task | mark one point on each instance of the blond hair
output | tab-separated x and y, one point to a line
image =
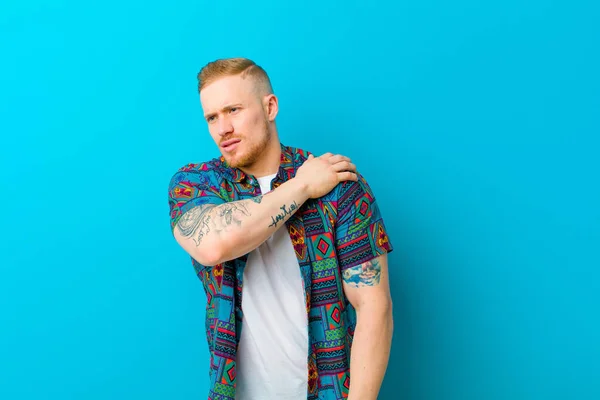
234	66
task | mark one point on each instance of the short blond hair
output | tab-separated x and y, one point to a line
221	68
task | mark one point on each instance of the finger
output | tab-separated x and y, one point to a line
337	158
326	156
347	176
344	166
310	157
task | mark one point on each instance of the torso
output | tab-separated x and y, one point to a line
273	348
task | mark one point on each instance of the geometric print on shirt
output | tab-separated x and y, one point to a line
330	234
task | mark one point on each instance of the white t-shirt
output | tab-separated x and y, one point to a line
273	347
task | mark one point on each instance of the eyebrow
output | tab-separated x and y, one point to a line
226	108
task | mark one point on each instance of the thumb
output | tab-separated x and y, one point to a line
310	157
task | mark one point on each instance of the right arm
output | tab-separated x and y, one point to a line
212	233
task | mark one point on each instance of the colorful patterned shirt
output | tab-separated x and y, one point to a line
330	234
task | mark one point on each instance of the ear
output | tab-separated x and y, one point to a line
271	106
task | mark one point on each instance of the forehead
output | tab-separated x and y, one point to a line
226	91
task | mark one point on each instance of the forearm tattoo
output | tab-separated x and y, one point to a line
199	221
257	199
229	214
367	274
285	211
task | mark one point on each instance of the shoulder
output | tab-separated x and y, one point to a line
353	186
351	193
294	154
300	153
343	190
214	165
205	173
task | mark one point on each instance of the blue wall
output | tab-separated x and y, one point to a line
483	116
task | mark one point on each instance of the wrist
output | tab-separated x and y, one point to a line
300	189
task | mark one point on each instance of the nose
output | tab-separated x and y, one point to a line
225	126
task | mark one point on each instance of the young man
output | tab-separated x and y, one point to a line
291	250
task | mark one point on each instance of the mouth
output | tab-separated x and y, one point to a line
230	144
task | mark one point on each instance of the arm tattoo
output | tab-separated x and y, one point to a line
230	213
199	221
195	223
284	212
367	274
257	199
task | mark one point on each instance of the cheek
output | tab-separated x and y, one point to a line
212	130
259	119
253	122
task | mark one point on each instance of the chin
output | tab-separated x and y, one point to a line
231	161
235	161
242	157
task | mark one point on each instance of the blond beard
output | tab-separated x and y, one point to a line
253	153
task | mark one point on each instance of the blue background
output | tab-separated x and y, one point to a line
476	124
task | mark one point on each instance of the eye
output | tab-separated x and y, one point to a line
233	109
210	119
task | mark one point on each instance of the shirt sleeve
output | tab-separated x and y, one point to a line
190	188
360	231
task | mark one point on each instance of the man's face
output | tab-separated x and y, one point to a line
237	119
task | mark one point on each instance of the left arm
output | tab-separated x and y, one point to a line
367	288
